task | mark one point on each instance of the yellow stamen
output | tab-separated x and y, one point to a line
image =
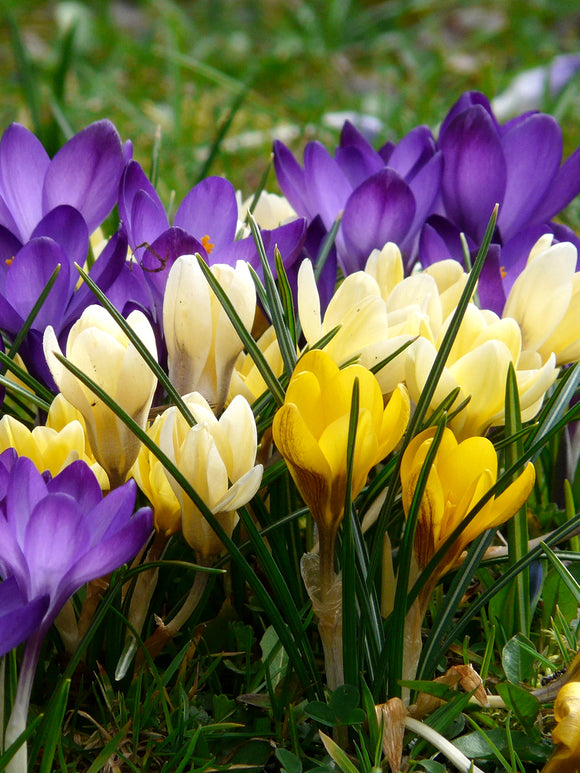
503	272
9	261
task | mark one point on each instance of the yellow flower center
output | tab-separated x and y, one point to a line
9	261
208	246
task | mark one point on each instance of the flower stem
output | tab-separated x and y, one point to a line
164	633
19	715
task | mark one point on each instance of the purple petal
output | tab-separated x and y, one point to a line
147	223
85	173
112	512
564	187
9	246
210	210
23	166
380	210
357	166
103	272
328	186
425	186
474	173
26	489
139	226
111	553
56	536
291	180
490	288
67	227
28	276
18	617
533	151
441	240
413	152
79	482
465	101
386	151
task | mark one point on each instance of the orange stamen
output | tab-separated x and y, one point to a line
208	246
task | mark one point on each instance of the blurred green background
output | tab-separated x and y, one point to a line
220	78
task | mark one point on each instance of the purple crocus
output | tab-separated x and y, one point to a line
206	222
383	195
516	165
48	208
84	174
56	534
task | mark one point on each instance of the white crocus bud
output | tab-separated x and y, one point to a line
97	346
202	344
217	457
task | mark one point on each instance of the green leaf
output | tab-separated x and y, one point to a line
565	575
432	766
524	705
338	755
344	701
321	712
475	746
53	731
518	658
290	762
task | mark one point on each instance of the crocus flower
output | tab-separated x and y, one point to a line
246	378
566	734
84	174
202	344
49	448
516	165
462	473
56	534
478	364
218	458
97	345
150	476
545	301
311	431
206	222
383	195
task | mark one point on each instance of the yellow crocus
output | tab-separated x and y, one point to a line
152	479
311	432
462	473
52	447
566	757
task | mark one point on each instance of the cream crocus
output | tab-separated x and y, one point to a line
98	347
54	446
478	364
217	457
545	301
202	344
270	211
461	474
359	311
